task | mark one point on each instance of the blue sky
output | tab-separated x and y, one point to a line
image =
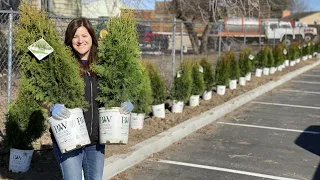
314	5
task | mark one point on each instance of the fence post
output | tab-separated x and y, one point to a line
245	36
174	48
10	55
260	40
274	38
181	43
219	40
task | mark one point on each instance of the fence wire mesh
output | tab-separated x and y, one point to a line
166	43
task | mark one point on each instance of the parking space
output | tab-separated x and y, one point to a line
276	136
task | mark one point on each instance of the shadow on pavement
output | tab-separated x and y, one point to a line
311	143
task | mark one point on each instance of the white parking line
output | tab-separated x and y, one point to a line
305	82
223	170
266	127
306	92
310	75
287	105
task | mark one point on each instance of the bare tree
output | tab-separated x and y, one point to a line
208	12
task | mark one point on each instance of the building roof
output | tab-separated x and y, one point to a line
298	16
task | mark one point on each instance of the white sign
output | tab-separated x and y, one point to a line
251	57
201	69
40	49
285	52
178	74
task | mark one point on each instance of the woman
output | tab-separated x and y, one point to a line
80	36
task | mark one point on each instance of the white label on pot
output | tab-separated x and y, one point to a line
201	69
251	57
178	74
40	49
284	51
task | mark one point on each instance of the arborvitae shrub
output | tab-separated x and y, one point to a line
245	63
144	100
278	55
208	74
181	89
270	58
234	67
221	75
25	122
54	79
157	84
197	80
118	67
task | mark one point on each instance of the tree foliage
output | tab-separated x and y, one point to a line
54	79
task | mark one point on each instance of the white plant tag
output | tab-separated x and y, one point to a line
251	57
299	47
304	45
309	44
178	74
40	49
201	69
285	52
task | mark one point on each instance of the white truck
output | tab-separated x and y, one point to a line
266	30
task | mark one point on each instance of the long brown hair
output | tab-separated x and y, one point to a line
71	30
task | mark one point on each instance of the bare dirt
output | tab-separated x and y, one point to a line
44	166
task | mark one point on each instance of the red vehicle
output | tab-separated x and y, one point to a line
146	38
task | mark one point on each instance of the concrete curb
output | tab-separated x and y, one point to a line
143	150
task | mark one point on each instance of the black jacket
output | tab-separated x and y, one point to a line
91	116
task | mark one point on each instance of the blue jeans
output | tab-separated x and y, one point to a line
90	159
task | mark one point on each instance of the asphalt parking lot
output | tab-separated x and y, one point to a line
275	136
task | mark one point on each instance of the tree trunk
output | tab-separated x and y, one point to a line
204	39
193	37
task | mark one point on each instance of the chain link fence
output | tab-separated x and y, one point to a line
165	43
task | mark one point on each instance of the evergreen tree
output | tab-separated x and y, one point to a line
270	58
25	122
182	85
234	67
208	74
118	67
143	101
197	79
54	79
278	55
222	76
157	84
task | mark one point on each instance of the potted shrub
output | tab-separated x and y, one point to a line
158	90
25	123
245	66
54	79
271	63
234	71
120	77
208	77
222	74
278	55
142	102
197	84
296	52
309	50
259	64
264	60
304	52
181	89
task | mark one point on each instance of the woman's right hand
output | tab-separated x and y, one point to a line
59	112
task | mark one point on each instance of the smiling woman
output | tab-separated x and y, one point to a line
82	42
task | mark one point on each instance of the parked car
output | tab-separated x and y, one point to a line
147	39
